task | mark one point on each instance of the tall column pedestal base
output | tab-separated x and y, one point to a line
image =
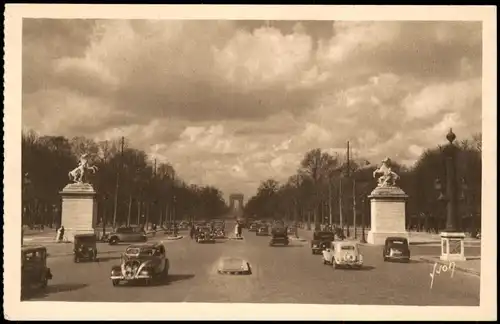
79	210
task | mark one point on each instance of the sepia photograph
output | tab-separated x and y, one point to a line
248	158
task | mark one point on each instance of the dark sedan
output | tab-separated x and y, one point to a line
396	248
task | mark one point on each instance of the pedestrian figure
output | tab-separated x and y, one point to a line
236	229
60	234
191	232
239	230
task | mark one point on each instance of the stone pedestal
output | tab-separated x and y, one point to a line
79	210
388	214
452	246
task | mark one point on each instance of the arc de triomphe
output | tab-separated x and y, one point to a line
236	197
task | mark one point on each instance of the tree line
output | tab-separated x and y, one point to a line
332	189
131	189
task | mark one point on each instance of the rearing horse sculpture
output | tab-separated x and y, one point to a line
77	174
388	177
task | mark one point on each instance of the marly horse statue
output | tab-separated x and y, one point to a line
77	174
387	176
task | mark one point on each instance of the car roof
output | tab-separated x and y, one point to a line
396	238
346	243
84	235
27	248
144	245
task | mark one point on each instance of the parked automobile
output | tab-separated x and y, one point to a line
396	248
205	235
343	254
262	231
144	262
253	227
292	230
84	247
321	240
127	235
219	233
34	271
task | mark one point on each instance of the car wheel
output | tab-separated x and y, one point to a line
115	282
385	259
313	252
113	241
324	261
76	259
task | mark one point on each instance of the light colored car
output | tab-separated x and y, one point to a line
343	254
234	266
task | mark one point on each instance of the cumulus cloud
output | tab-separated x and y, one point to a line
231	103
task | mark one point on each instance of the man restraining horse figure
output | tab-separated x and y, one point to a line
387	177
77	174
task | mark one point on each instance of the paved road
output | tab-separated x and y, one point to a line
280	275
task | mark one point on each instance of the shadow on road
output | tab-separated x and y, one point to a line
108	258
51	289
179	277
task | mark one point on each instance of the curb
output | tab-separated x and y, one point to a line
461	269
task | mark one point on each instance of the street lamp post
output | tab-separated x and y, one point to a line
105	198
452	240
26	190
363	208
173	215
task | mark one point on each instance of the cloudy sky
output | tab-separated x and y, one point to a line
231	103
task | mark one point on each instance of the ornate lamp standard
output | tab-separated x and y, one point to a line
452	240
363	211
174	209
25	193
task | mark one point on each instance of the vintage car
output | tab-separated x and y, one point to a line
396	248
141	262
127	235
343	254
292	230
234	266
279	235
34	270
84	247
253	227
321	240
262	231
219	232
205	235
